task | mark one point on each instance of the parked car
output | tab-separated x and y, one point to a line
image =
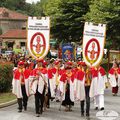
7	53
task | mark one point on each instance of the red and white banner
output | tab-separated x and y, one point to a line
38	36
93	43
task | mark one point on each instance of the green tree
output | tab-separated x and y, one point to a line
108	12
66	16
13	4
23	7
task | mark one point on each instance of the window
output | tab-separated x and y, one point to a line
22	44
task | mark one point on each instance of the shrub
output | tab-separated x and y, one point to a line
6	75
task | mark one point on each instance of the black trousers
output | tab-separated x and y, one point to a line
22	102
39	100
87	89
48	94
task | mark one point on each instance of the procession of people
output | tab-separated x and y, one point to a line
64	82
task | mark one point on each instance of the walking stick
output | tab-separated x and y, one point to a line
60	102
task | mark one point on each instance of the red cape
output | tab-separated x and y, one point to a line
64	77
102	71
80	75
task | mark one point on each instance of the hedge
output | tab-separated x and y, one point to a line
6	75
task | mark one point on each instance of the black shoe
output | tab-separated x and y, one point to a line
19	111
113	94
102	108
82	114
41	111
25	108
57	100
96	108
37	115
48	106
87	114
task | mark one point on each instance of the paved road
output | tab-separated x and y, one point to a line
10	113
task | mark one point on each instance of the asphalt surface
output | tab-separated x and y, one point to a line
11	112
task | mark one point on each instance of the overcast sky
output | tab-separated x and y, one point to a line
30	1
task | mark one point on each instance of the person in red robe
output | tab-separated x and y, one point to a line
98	85
67	88
20	85
38	86
87	77
114	78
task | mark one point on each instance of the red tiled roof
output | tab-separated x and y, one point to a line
14	34
9	14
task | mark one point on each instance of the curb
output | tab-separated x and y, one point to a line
8	103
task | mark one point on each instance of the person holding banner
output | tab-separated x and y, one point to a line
38	86
114	78
87	83
20	85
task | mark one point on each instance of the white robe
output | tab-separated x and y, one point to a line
101	83
97	85
80	89
40	84
52	87
62	87
16	84
118	79
112	80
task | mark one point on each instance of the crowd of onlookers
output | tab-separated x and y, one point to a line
14	58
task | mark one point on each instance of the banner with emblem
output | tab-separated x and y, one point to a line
38	36
93	43
67	52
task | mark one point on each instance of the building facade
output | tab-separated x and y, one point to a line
12	29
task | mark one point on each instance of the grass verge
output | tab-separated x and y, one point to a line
6	97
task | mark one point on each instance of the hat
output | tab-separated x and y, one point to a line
68	67
69	63
20	63
83	64
56	62
44	63
39	60
79	63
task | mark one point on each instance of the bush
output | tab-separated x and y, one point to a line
6	75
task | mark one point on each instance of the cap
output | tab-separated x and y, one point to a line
56	62
83	64
44	63
79	63
68	67
69	63
20	63
39	60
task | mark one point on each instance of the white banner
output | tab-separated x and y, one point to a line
93	43
38	36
